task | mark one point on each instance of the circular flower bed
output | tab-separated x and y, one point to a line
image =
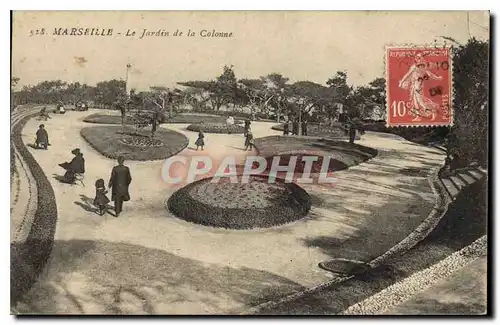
217	128
254	204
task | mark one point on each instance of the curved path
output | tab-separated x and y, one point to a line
147	261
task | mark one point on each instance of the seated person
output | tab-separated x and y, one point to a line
76	166
42	137
43	113
230	120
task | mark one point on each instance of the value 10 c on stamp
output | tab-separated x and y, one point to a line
419	86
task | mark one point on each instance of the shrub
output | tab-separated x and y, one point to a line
217	128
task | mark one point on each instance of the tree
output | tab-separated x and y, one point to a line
109	93
275	95
224	88
471	102
338	83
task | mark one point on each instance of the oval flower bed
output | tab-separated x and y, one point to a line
217	128
255	204
112	141
108	119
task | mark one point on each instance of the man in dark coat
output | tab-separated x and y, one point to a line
304	127
42	137
286	128
119	182
295	127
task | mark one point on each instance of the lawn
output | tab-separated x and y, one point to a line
112	141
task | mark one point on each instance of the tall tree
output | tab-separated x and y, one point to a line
469	138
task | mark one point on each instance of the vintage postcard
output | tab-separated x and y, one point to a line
249	162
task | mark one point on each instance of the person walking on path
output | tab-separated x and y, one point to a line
286	128
118	183
100	200
42	137
200	142
249	140
304	127
295	127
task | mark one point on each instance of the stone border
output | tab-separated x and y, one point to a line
29	258
401	291
417	235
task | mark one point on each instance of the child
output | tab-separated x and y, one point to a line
200	142
101	200
249	140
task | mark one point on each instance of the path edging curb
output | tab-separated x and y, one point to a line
416	236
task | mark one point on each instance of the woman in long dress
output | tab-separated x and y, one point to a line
413	81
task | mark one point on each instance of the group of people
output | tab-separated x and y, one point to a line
119	181
295	127
249	142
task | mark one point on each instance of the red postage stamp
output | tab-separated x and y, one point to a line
419	86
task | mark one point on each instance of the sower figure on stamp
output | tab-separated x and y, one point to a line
413	81
118	183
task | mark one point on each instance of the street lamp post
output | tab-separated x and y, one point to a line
127	88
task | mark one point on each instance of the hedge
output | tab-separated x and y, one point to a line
291	208
29	258
217	128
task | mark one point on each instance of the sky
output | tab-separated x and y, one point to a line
300	45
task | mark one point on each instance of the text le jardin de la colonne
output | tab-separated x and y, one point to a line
133	33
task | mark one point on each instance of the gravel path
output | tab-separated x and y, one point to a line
206	270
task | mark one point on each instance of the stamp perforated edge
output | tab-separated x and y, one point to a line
452	88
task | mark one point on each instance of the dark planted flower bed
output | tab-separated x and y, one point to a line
189	118
108	119
217	128
256	204
28	258
112	141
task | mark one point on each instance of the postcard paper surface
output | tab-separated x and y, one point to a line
237	163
